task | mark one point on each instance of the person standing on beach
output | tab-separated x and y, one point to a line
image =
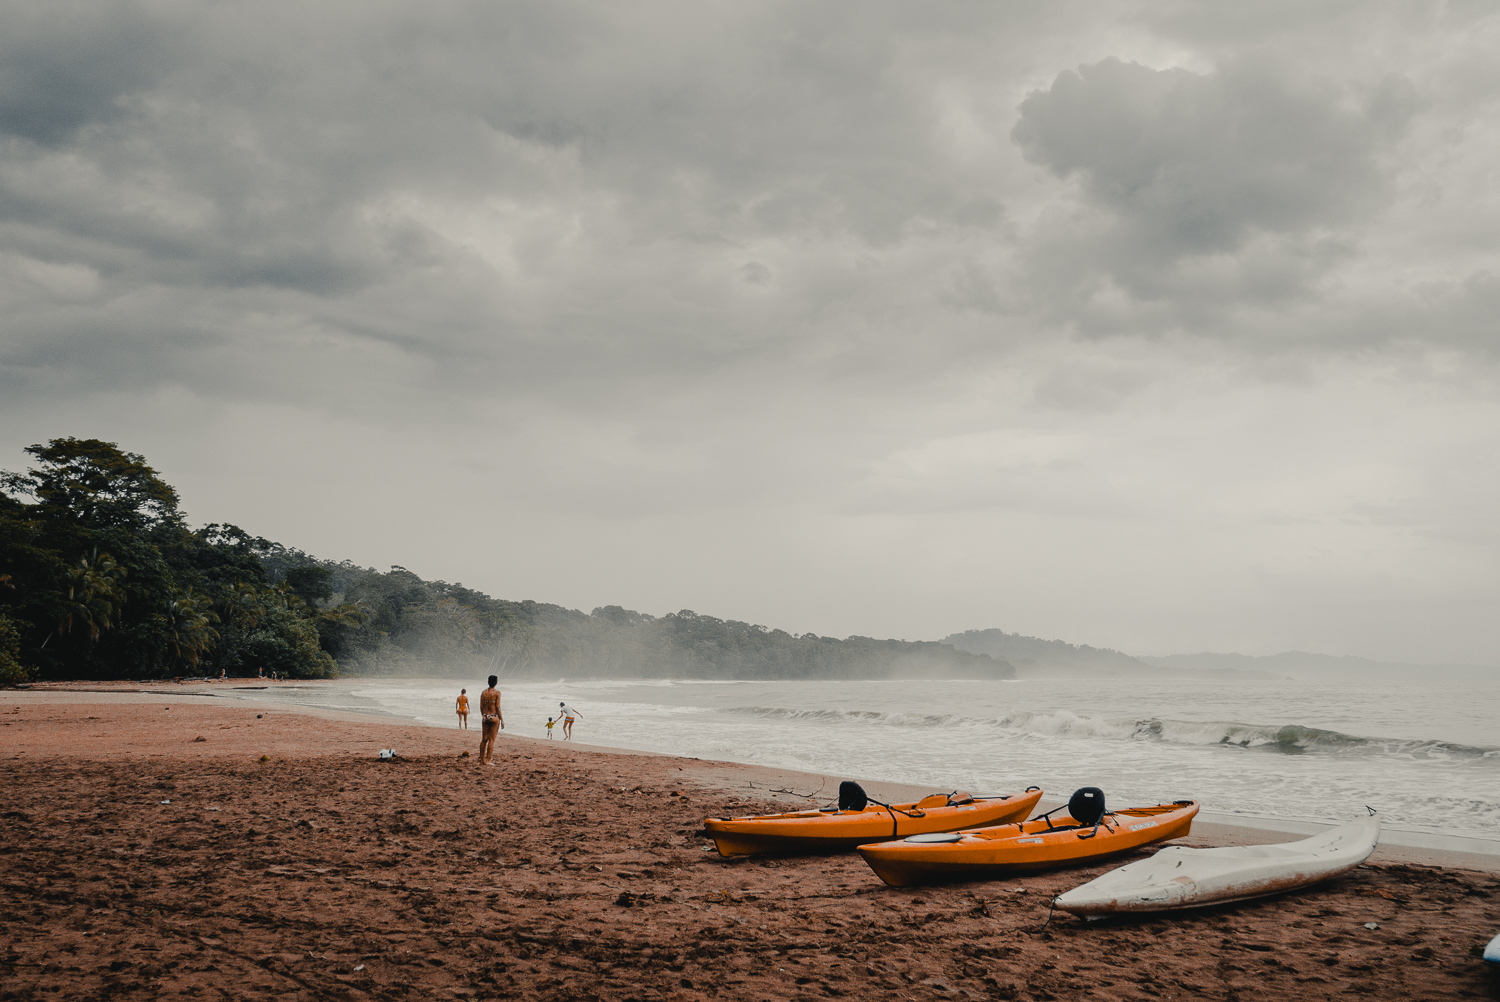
490	720
462	706
550	722
567	713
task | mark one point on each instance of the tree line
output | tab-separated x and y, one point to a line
100	577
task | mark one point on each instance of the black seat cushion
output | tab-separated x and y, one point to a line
852	796
1087	805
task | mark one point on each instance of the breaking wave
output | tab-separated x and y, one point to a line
1291	739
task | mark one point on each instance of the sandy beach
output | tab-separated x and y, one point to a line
161	845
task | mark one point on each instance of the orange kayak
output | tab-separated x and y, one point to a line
1030	845
830	831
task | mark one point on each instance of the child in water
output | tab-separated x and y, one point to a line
549	728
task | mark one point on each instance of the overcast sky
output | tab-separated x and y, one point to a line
1164	327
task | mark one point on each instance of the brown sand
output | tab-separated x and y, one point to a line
139	861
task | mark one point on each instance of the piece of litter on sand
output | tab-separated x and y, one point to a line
360	967
387	754
1372	925
163	801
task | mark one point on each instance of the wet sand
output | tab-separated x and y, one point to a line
137	860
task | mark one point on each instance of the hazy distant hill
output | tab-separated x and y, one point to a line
1301	664
412	626
1037	658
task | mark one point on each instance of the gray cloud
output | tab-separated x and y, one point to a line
1194	165
69	65
333	174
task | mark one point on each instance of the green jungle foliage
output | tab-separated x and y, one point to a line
101	578
11	671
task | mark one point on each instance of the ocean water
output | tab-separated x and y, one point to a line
1425	754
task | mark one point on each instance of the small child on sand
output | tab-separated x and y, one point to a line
550	722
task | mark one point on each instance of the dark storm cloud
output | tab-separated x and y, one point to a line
1192	165
67	65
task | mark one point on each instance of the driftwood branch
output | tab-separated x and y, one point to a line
805	796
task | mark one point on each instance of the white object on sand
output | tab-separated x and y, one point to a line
1179	877
1492	952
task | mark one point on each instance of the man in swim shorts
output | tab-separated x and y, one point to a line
490	720
567	713
462	706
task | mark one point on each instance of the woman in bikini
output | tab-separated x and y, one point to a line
462	706
490	720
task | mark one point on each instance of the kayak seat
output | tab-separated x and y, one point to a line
852	796
1085	809
936	800
1086	805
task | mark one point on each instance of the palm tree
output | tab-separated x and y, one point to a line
350	614
242	605
94	594
282	596
189	625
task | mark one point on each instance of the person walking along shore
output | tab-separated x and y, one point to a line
567	713
491	720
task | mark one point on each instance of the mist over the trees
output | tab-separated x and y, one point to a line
103	578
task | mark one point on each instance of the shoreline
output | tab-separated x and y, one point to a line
147	848
1396	845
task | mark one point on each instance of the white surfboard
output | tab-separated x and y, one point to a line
1179	877
1492	952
